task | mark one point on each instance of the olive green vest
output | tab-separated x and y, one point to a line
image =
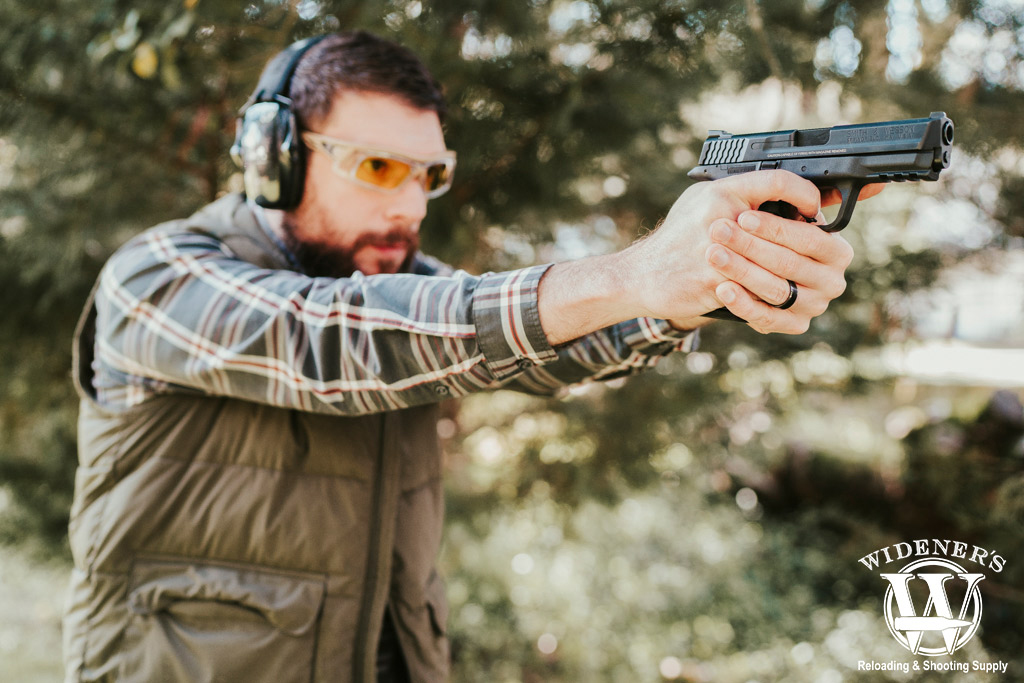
216	539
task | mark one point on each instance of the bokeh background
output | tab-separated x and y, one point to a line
700	523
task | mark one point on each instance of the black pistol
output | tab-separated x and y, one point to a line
844	158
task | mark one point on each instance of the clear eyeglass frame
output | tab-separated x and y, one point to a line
384	170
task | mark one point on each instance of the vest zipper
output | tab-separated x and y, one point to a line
378	562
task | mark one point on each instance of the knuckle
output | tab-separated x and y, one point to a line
740	268
710	280
740	240
757	323
773	228
777	181
715	191
835	287
818	307
795	324
846	252
781	294
789	263
836	251
840	287
764	319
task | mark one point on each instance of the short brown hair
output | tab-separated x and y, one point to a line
359	61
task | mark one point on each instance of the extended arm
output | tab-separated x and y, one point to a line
177	311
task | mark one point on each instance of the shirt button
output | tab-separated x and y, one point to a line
442	390
525	364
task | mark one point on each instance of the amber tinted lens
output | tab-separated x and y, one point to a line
437	176
386	173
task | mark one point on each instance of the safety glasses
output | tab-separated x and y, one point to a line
382	170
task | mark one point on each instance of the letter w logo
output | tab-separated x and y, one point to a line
914	626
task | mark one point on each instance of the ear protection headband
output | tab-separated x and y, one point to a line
268	146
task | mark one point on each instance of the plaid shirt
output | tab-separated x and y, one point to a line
178	311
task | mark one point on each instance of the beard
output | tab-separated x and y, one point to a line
318	259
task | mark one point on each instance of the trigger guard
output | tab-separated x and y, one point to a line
848	192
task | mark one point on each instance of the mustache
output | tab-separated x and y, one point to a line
395	237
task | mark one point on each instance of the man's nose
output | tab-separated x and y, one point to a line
410	202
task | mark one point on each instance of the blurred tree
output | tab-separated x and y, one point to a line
575	122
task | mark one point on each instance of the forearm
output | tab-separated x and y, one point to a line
579	297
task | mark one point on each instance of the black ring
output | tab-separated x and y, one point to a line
791	299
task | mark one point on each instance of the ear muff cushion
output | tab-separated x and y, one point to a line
267	144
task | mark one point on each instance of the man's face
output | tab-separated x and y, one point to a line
341	226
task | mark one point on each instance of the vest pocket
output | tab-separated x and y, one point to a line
203	622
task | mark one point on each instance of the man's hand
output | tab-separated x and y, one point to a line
749	255
714	248
759	252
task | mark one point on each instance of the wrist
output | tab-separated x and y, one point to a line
576	298
675	290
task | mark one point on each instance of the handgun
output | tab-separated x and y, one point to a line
844	158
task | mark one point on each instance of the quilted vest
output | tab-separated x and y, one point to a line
216	539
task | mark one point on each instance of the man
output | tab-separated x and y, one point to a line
259	494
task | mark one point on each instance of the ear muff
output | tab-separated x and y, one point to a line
268	146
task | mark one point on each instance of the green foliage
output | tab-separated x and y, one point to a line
575	123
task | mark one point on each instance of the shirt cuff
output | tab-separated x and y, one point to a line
508	321
654	332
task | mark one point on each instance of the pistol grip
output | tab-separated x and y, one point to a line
785	210
724	314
